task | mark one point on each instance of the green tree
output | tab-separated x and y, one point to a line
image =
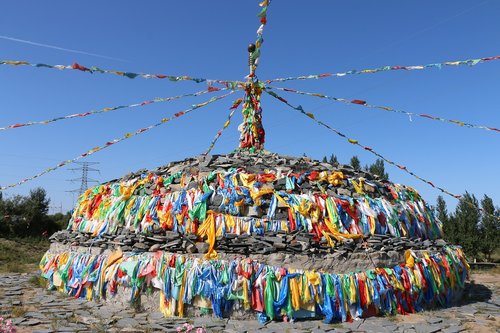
449	228
37	207
467	218
378	168
490	228
23	216
355	163
334	160
60	220
324	160
4	227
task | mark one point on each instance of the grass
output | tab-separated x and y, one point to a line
18	311
21	255
495	270
38	281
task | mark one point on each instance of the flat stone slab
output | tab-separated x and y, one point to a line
55	312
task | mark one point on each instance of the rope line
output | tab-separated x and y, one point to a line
130	75
108	109
387	108
233	108
114	141
469	62
356	142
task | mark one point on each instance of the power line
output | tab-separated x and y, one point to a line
58	208
84	179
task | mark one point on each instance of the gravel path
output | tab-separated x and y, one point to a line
34	309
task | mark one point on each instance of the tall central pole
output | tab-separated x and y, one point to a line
252	134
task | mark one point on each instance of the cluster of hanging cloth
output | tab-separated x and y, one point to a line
106	208
424	280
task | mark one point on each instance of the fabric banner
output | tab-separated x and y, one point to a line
226	124
108	109
423	280
400	212
355	142
387	108
468	62
130	75
114	141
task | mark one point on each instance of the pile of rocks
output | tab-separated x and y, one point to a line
244	244
281	211
252	163
297	181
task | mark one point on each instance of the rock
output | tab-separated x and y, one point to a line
140	246
433	320
127	322
154	248
30	322
191	248
343	191
202	247
453	329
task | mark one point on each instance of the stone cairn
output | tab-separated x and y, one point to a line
257	234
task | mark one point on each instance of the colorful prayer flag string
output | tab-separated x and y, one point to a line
252	133
226	124
130	75
387	108
355	142
255	54
114	141
469	62
108	109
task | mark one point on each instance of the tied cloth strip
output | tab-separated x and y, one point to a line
105	208
273	292
255	53
469	62
387	108
252	134
130	75
114	141
109	109
226	124
355	142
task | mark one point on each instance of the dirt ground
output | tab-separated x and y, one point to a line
484	285
34	309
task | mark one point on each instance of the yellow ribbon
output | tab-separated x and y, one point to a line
207	228
247	179
358	186
336	178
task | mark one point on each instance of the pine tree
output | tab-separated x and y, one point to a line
467	219
490	228
355	163
378	168
324	160
449	232
333	160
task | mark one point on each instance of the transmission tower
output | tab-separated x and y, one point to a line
84	180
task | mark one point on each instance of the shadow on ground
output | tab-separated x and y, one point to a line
474	293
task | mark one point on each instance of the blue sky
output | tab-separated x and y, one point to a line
208	39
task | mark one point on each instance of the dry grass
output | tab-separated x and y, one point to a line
21	255
18	311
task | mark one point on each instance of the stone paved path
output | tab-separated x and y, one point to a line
34	309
